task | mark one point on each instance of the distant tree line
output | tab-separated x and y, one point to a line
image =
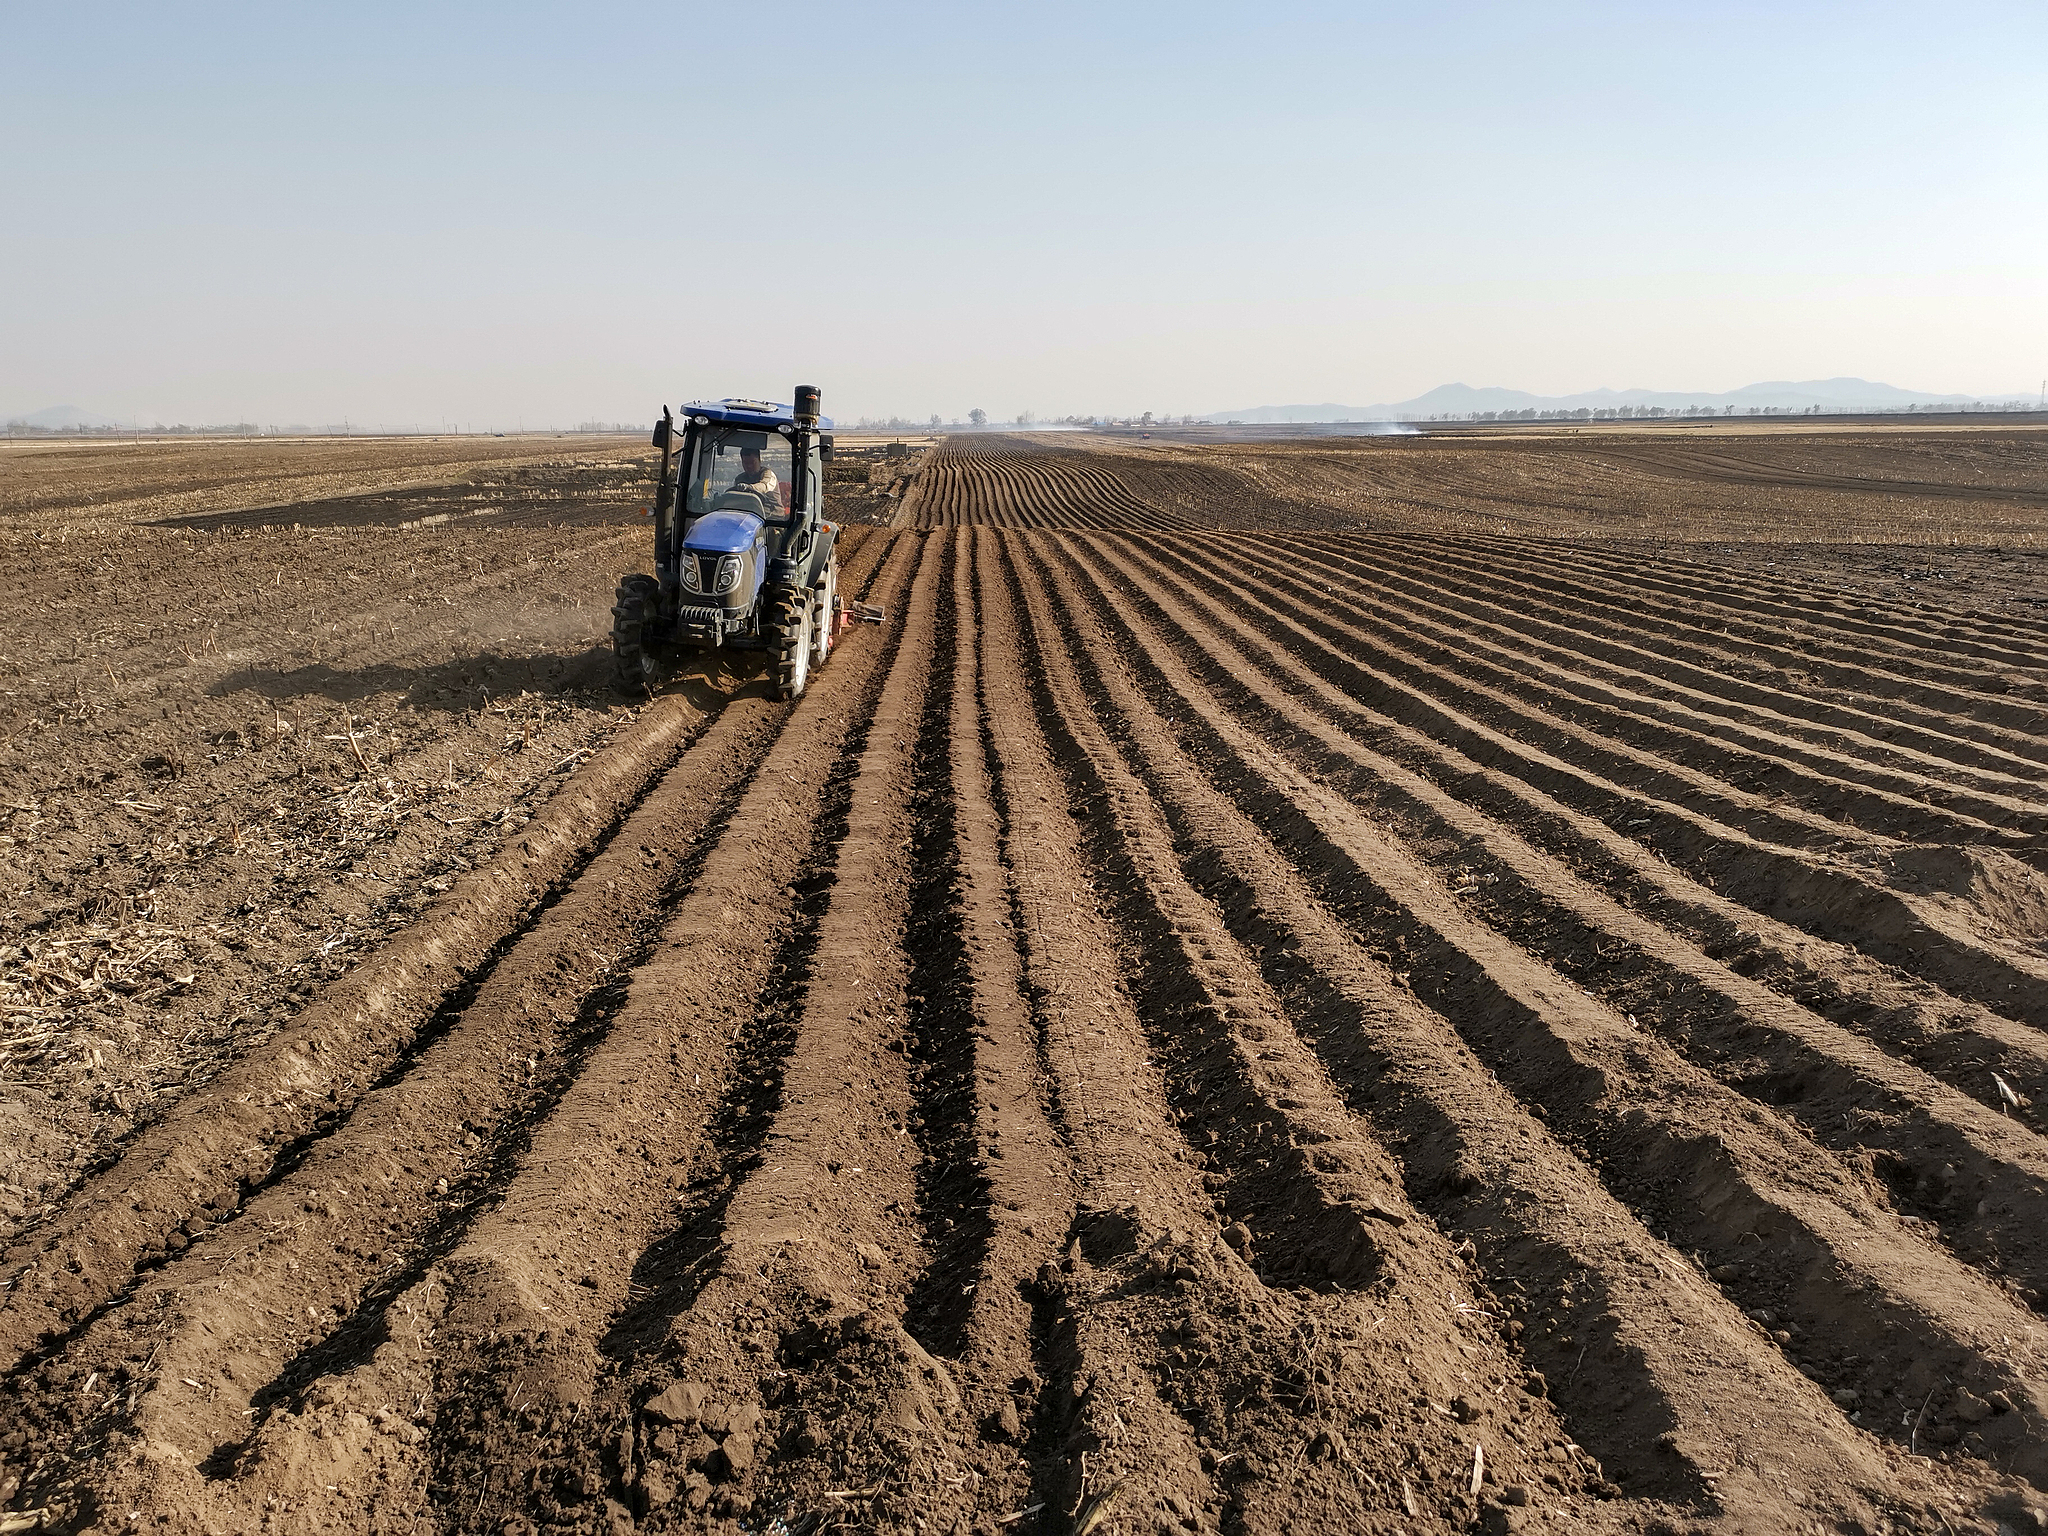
1023	421
224	429
299	429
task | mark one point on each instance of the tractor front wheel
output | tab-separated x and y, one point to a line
633	615
789	620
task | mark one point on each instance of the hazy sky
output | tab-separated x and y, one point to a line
508	212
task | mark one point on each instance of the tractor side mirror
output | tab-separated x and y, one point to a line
825	445
661	434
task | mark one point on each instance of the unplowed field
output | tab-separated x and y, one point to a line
1185	1028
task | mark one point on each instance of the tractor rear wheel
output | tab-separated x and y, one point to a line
789	624
633	615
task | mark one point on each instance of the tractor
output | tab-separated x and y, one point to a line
743	557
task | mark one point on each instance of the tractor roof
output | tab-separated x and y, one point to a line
746	413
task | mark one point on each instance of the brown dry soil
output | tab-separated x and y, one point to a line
1240	1008
1956	486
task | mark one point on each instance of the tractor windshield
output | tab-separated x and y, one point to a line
729	458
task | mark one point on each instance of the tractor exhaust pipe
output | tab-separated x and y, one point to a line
806	405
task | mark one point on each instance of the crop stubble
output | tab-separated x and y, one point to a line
1318	1028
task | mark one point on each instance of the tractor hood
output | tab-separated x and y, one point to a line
723	533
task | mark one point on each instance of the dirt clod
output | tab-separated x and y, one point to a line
679	1403
1005	1425
1969	1407
735	1456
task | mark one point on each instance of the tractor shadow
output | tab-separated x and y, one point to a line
463	684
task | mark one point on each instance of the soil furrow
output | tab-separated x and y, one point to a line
1968	695
1842	1091
363	1210
505	1330
982	1291
1489	978
1960	1043
1712	662
824	1226
1315	1202
1831	900
1875	625
217	1144
1556	1249
1657	1127
1739	753
1768	720
1105	1374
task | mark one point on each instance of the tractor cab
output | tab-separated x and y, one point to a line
736	468
742	554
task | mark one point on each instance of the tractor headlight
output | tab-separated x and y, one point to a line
686	573
728	573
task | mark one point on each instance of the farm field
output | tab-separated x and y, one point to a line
1365	984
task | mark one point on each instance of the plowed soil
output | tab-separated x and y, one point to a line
1239	1008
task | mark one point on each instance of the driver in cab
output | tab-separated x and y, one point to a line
755	476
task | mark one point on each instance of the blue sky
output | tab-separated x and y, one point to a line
505	213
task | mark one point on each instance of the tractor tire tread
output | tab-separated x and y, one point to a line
637	598
783	610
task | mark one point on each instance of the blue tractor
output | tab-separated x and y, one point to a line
743	556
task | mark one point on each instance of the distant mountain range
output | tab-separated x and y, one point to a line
57	416
1464	400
